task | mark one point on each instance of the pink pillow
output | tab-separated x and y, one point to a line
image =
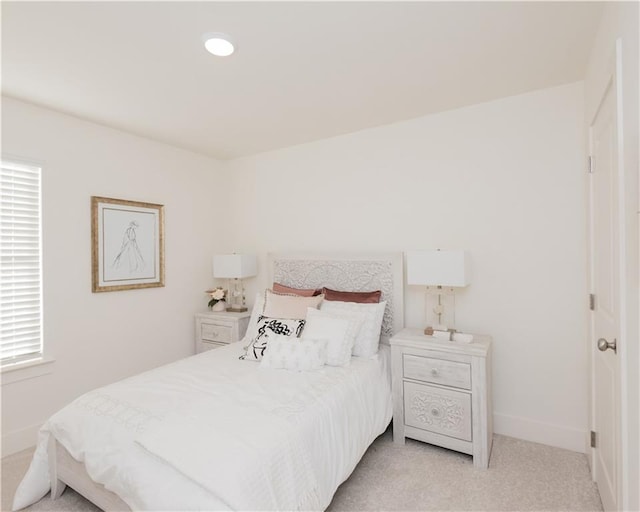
359	297
280	288
289	306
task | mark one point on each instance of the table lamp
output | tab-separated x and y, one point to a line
441	272
235	267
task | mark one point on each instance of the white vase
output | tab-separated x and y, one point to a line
219	306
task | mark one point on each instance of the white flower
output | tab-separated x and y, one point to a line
218	294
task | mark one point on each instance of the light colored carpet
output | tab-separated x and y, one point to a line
418	476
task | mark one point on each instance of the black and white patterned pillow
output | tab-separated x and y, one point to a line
267	328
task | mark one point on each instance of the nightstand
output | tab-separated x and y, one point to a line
442	393
215	329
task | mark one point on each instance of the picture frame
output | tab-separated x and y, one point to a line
127	244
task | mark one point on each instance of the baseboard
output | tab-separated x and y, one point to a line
18	440
545	433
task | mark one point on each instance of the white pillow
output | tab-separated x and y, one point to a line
268	328
277	305
356	320
368	338
339	329
300	355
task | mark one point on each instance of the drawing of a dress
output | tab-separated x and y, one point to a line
130	252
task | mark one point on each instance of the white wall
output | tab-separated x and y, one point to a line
504	180
620	21
99	338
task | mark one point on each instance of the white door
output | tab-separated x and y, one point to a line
606	284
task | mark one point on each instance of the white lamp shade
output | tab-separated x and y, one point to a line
229	266
438	268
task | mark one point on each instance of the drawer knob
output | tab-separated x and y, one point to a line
435	412
434	372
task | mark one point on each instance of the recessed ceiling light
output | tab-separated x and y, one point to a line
218	44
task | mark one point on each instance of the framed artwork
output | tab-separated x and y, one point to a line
127	245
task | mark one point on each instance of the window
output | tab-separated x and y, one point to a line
21	264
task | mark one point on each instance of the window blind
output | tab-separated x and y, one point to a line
20	256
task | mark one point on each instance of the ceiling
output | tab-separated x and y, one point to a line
302	70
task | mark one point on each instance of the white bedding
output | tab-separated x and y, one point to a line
121	432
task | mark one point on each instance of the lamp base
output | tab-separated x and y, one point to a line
440	304
237	310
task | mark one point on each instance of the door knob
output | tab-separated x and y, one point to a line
604	345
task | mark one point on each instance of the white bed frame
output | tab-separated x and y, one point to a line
350	272
65	470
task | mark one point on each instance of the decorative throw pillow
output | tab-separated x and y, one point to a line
359	297
368	338
291	354
339	329
267	329
281	288
288	306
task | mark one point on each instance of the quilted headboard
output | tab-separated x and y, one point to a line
347	272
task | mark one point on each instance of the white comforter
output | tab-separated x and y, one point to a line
211	432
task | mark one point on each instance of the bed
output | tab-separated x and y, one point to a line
213	432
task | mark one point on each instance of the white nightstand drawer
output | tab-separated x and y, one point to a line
438	410
216	332
438	371
215	329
